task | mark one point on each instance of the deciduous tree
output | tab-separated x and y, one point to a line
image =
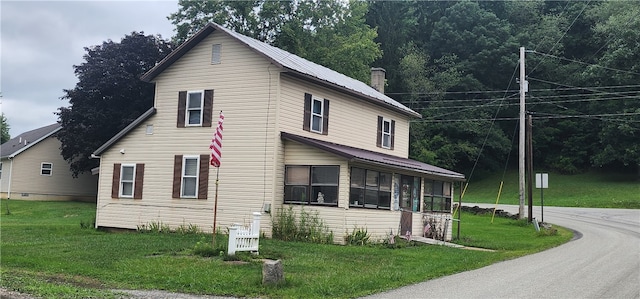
108	96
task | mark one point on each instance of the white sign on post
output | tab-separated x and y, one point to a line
542	180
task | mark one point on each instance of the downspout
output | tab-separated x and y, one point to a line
97	195
10	175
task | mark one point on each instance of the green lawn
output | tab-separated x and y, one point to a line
45	252
593	189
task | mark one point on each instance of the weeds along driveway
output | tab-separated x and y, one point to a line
602	262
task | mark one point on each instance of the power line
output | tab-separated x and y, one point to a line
584	63
551	116
566	85
508	90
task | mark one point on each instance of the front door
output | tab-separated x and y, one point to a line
406	203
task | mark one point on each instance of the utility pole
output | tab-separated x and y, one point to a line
521	143
530	167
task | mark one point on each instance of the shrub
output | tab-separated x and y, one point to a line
287	226
154	227
359	236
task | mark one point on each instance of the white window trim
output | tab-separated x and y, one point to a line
133	181
388	134
320	115
187	109
197	176
50	169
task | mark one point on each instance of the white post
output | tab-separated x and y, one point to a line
255	226
233	233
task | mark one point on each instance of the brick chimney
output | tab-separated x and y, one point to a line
378	78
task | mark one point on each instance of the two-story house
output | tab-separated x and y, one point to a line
295	134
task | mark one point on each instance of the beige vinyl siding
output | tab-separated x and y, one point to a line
27	183
352	121
245	89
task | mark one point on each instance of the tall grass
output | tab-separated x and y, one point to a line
45	252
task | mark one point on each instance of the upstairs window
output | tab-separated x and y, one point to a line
316	114
46	168
386	133
195	108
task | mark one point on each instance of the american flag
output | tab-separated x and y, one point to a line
216	143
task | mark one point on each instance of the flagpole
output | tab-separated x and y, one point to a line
215	210
216	148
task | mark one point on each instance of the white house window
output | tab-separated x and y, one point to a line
316	115
386	133
190	170
127	176
216	54
311	184
195	103
46	168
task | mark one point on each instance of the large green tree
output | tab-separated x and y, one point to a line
4	130
331	33
108	96
618	29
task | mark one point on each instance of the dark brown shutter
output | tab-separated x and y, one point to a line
177	176
393	132
307	112
203	177
379	136
182	108
325	118
207	111
139	181
115	182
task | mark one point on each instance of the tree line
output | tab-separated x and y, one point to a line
456	63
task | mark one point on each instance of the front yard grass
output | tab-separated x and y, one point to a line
45	252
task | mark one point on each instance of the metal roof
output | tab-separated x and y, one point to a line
26	140
370	157
289	62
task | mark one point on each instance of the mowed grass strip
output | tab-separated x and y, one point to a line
589	190
45	252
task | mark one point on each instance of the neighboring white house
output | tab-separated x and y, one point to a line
295	134
32	168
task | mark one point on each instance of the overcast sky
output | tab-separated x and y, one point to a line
42	40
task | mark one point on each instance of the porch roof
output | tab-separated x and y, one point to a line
369	157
